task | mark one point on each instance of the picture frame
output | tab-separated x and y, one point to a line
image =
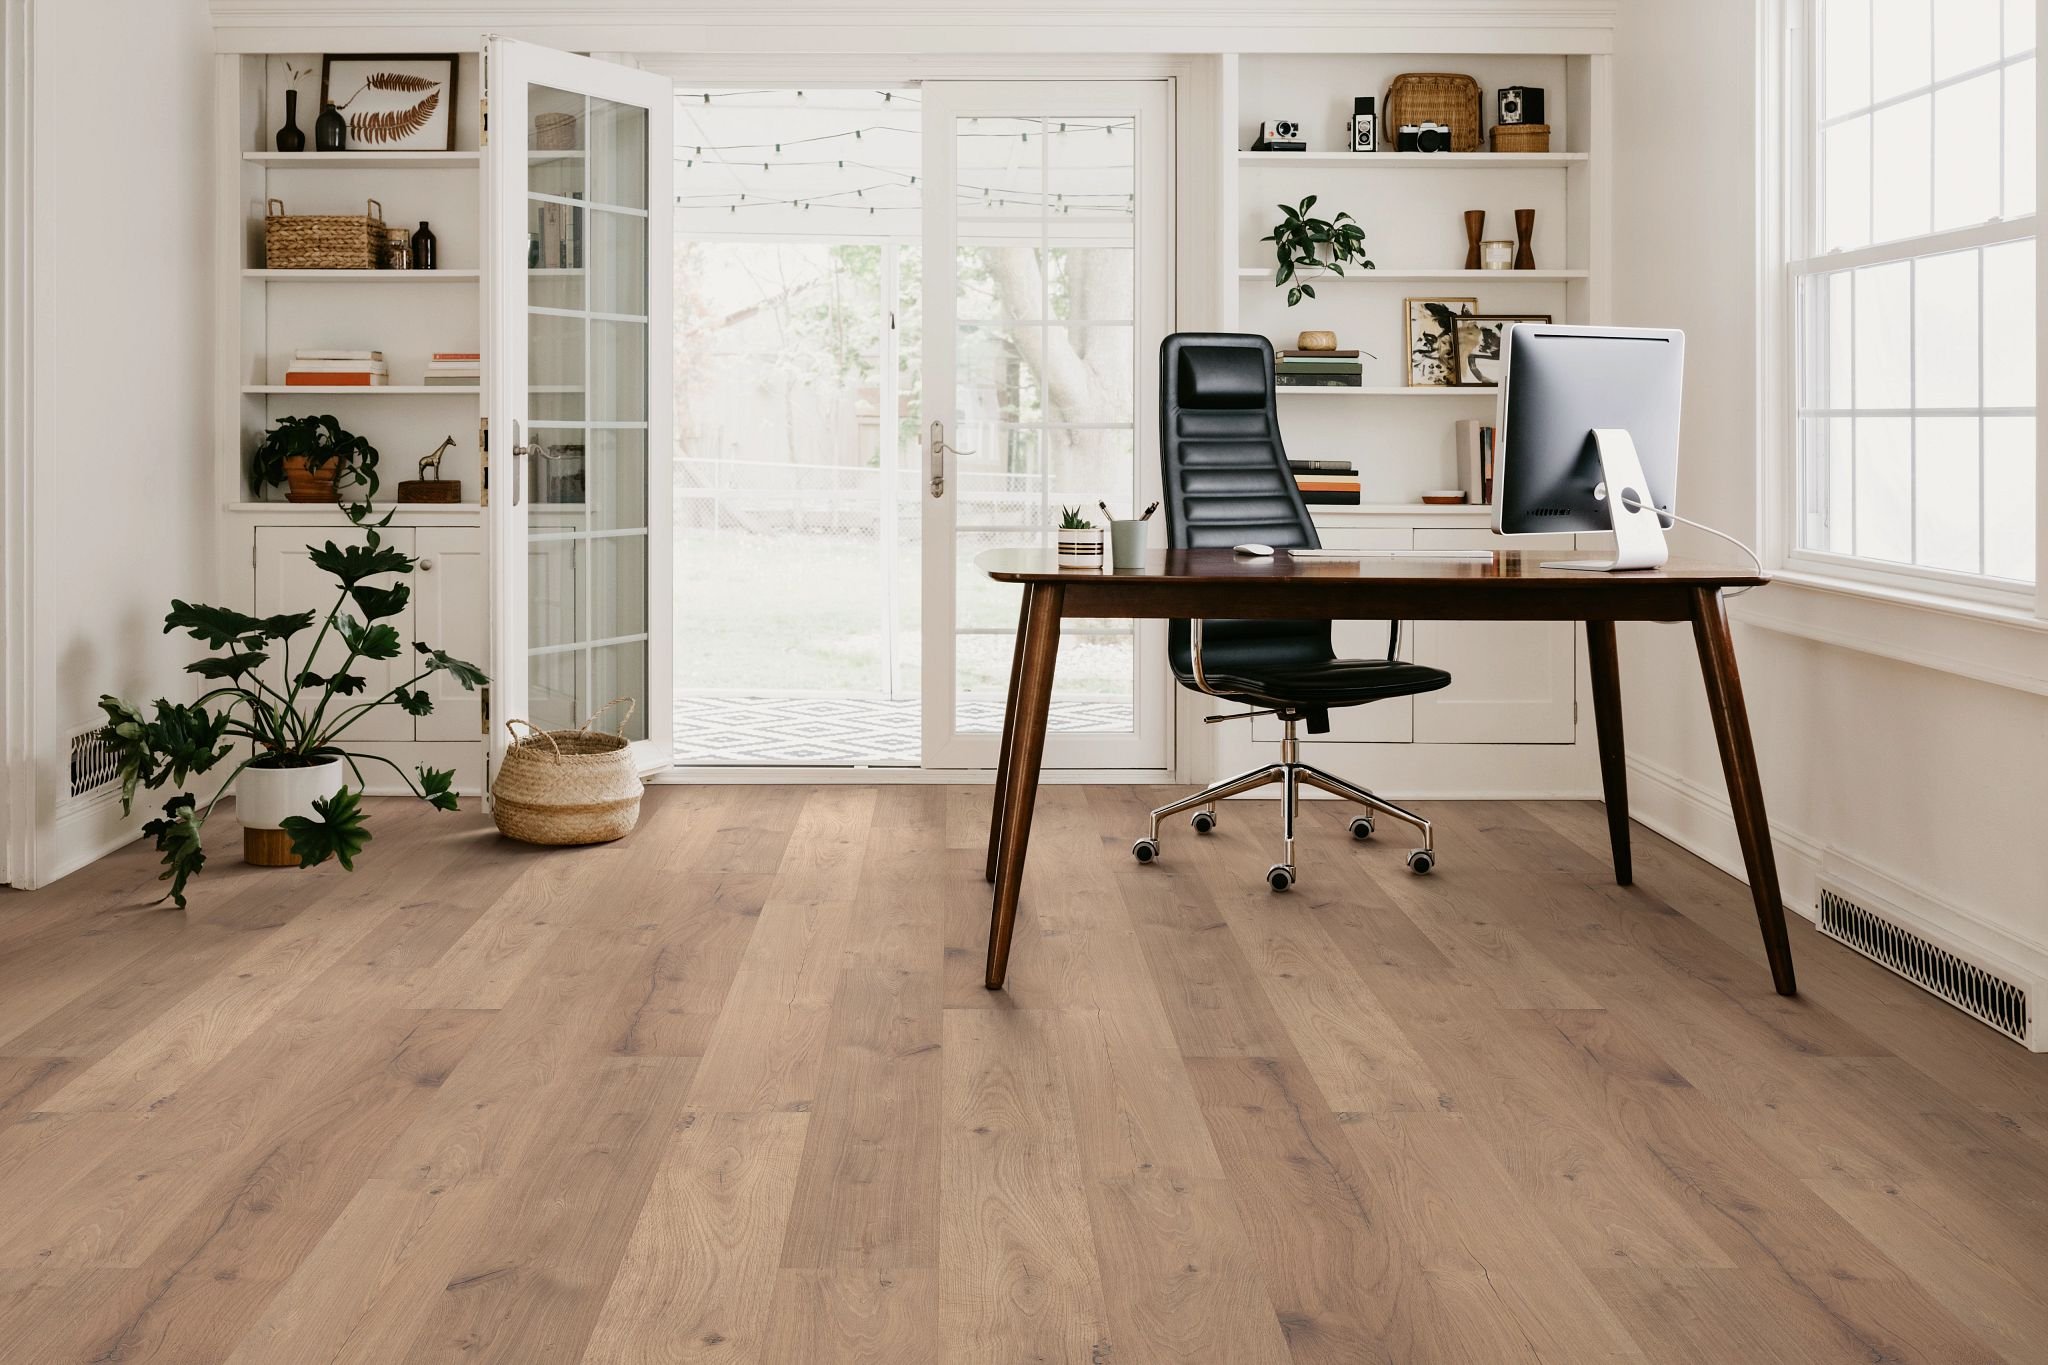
397	102
1476	346
1432	354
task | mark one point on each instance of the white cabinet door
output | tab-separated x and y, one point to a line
449	595
1512	682
287	581
1380	722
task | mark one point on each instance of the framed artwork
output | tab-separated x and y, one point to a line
400	103
1432	340
1476	347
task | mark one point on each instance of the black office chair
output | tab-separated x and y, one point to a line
1227	483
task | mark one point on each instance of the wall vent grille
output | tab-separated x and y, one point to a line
94	767
1977	991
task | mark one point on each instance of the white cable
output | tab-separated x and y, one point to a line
1637	505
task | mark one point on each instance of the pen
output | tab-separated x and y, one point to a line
1106	513
1147	515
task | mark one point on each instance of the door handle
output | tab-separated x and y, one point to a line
936	460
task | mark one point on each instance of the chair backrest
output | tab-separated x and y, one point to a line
1226	482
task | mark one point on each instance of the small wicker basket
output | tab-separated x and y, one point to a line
323	241
554	132
568	786
1521	137
1436	97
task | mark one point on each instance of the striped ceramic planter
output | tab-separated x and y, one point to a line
1081	549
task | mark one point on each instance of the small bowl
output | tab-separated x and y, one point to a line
1316	341
1444	497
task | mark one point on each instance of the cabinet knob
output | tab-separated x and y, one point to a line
426	566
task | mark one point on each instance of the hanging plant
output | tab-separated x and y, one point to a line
1300	243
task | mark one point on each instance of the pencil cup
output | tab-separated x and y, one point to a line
1127	544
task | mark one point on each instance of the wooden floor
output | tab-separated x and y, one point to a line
730	1090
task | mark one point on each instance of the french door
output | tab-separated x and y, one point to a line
1047	267
578	204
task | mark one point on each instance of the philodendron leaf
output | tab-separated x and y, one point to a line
354	563
284	626
334	830
176	833
230	666
179	741
440	660
217	626
437	785
415	700
1294	296
372	642
377	603
348	684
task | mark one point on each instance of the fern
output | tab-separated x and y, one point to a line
400	80
393	125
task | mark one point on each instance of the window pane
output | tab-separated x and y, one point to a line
1945	497
1899	46
1900	192
1966	37
2009	325
1845	59
1884	489
1966	155
1841	485
1945	331
1845	195
2019	139
1841	336
2009	497
2019	26
1883	314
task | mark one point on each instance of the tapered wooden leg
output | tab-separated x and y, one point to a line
1745	791
995	815
1034	701
1606	669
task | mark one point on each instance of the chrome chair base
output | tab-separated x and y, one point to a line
1290	773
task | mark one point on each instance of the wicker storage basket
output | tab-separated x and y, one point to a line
568	786
1436	97
322	241
1521	137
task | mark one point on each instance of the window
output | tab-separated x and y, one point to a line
1913	301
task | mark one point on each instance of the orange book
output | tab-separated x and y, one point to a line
354	379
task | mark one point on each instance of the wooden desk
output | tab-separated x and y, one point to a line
1513	586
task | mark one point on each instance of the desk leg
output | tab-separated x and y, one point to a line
995	816
1605	664
1034	699
1745	791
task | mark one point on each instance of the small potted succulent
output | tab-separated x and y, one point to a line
310	455
1302	244
1080	541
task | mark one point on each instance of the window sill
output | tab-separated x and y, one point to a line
1980	641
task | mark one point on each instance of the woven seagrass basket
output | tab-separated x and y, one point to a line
1436	97
1521	137
322	241
568	786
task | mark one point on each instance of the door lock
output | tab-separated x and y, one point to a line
936	463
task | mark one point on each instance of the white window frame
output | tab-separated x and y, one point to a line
1787	62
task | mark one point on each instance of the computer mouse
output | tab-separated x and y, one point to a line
1252	551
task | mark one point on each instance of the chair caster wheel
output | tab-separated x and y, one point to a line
1203	821
1145	850
1279	876
1361	828
1421	861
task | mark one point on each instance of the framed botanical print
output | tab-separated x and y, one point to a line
1432	341
1477	340
403	103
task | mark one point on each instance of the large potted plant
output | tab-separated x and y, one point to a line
291	713
1302	244
310	455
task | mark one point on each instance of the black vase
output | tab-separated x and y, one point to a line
289	138
424	249
330	130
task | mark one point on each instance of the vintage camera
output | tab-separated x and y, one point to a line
1423	137
1519	104
1365	131
1280	135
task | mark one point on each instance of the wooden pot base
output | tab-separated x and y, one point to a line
268	848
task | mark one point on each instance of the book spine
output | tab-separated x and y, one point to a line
305	379
1319	499
1319	381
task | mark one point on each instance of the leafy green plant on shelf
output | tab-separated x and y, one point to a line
292	716
312	455
1300	243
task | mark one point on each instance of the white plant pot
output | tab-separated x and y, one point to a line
266	797
1081	549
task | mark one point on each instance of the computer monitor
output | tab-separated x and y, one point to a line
1586	437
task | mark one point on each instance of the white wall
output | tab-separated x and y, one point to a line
1935	782
121	332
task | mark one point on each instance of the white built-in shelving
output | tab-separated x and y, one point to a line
362	276
1435	161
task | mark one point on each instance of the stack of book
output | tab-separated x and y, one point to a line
1317	369
348	369
1325	482
454	369
1475	459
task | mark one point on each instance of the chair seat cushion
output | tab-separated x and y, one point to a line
1334	682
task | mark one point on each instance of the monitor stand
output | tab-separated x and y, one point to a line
1638	531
